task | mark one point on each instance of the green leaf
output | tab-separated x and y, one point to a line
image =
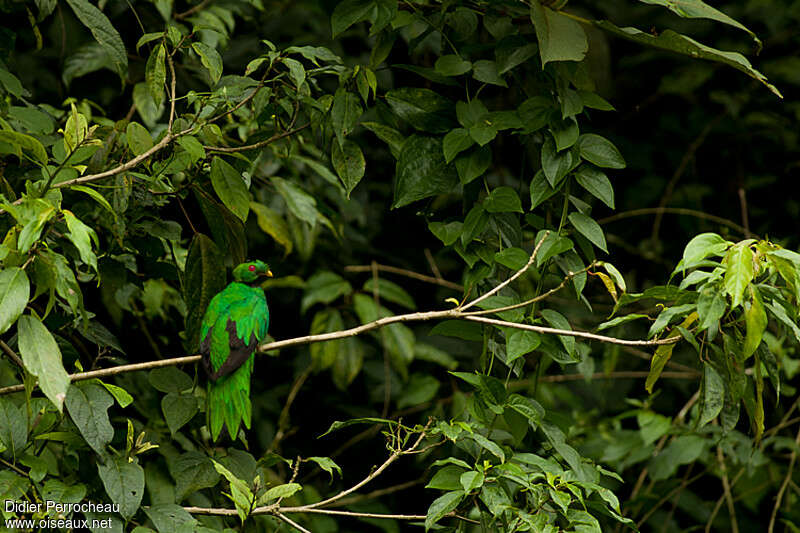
738	272
178	410
600	151
348	13
555	165
560	38
240	494
590	229
104	33
273	225
348	363
473	165
25	142
323	287
155	73
169	517
456	141
349	163
620	320
393	292
681	44
192	471
203	278
300	203
452	65
390	136
210	59
713	394
124	483
684	450
324	354
420	389
345	112
99	198
230	187
442	506
447	478
540	189
700	247
88	58
447	233
469	331
520	342
503	200
597	183
281	491
558	321
326	463
13	428
15	289
755	318
422	171
694	9
170	379
486	71
471	480
296	71
423	109
193	146
652	426
42	358
82	237
513	258
87	404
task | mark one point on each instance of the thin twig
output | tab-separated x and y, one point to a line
172	95
11	354
676	176
668	497
542	296
624	374
743	207
569	333
517	274
192	10
782	490
283	419
673	211
260	144
407	273
392	458
726	487
292	523
432	264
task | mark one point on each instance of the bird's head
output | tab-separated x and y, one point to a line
251	271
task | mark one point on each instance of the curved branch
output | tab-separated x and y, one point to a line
260	144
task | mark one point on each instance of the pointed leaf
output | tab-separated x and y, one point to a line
42	358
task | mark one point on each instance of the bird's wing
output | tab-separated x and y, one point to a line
237	322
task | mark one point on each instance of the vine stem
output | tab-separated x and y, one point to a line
457	313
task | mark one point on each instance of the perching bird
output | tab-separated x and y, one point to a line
234	323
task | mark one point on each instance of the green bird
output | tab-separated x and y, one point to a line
234	323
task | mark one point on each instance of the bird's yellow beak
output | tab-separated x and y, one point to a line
268	273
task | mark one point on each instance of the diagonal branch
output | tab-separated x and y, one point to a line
512	278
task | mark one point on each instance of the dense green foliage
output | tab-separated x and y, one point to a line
567	231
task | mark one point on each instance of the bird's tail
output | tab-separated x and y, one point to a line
228	401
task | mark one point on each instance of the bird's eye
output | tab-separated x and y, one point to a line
252	268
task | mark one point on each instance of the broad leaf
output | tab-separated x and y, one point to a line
42	358
560	38
15	289
103	32
230	187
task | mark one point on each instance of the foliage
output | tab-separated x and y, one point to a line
354	145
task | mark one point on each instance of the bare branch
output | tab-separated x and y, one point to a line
570	333
407	273
782	490
292	523
519	272
261	144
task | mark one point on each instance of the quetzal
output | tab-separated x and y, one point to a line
234	323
